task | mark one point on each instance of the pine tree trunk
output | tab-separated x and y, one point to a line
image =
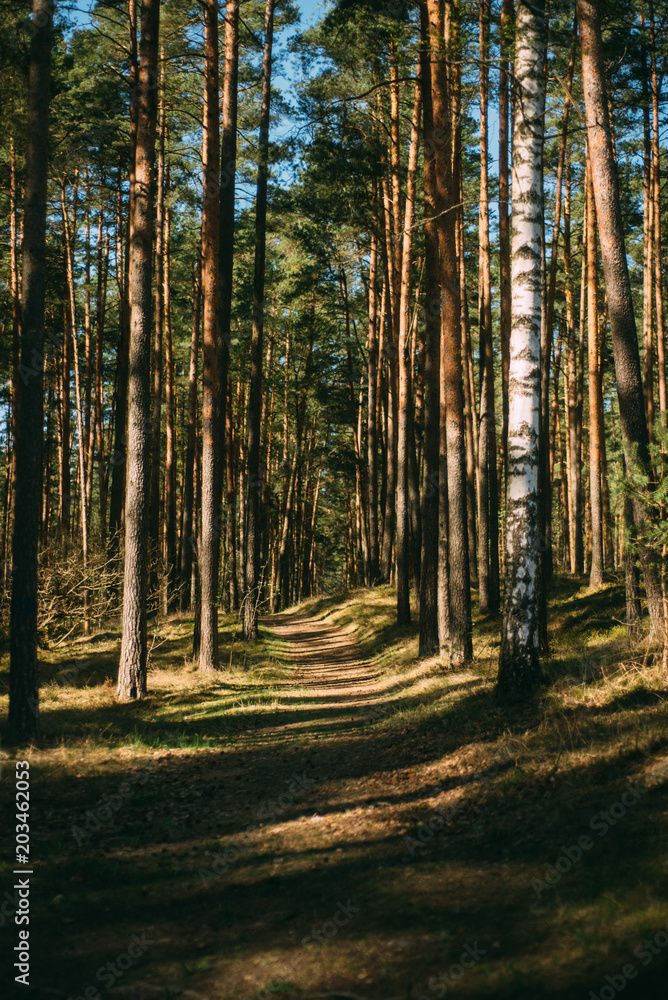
595	401
188	535
208	556
372	414
429	645
470	411
64	475
656	218
97	442
231	503
456	642
88	355
119	458
228	156
405	361
16	329
69	233
23	688
158	318
488	505
635	434
132	667
504	226
391	436
519	666
648	245
251	595
170	561
573	416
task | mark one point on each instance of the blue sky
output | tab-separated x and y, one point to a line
79	9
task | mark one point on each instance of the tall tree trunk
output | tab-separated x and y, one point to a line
96	438
488	503
519	666
132	667
405	359
158	317
648	243
470	411
119	458
64	472
547	336
228	156
231	503
656	218
188	535
429	564
208	556
69	259
457	642
23	689
170	561
504	225
573	416
390	364
251	595
635	434
595	400
372	413
16	322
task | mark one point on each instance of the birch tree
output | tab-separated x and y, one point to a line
519	667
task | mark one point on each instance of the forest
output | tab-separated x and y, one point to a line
333	499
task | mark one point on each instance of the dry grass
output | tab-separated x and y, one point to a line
208	760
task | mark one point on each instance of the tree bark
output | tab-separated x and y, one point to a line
573	414
119	457
169	562
188	536
519	666
595	400
208	555
635	434
69	258
488	504
405	359
23	689
132	667
158	317
656	218
505	307
251	596
372	413
429	645
228	156
457	641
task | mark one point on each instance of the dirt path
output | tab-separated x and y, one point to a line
329	661
337	833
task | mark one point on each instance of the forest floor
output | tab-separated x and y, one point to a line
329	816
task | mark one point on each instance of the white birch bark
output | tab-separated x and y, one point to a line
519	668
